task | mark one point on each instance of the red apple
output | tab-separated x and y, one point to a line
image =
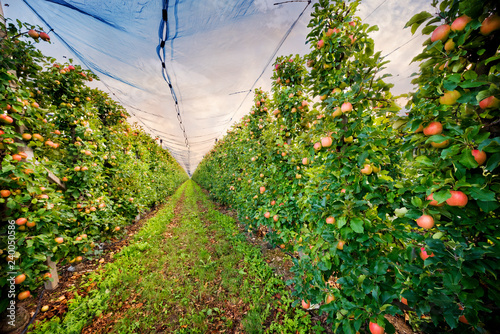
275	218
267	214
442	144
460	23
490	24
340	245
33	34
44	36
21	221
262	189
433	128
425	221
367	169
330	220
5	193
19	279
320	44
305	161
329	298
457	198
306	304
440	33
38	137
489	102
23	295
59	240
326	141
375	328
6	119
479	156
462	318
317	146
346	107
424	255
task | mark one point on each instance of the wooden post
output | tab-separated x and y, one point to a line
51	285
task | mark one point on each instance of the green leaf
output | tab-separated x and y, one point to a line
472	84
470	75
441	195
437	139
416	201
418	19
490	145
341	222
467	159
450	85
493	162
491	59
424	160
482	194
488	206
11	204
40	257
357	225
427	30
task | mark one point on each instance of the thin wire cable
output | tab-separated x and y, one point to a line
399	47
374	10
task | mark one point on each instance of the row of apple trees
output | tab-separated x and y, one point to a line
109	170
387	212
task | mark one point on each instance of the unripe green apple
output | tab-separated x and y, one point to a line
450	97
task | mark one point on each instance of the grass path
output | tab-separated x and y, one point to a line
188	270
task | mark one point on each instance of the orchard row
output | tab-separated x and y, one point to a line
73	173
387	211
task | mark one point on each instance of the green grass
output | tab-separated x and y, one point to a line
186	271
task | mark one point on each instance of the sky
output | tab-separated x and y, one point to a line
217	51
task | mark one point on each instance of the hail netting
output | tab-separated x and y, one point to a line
177	66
